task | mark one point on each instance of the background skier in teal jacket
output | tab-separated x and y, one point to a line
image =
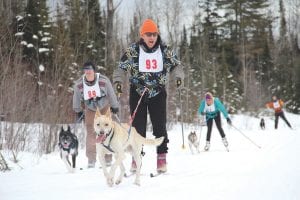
211	108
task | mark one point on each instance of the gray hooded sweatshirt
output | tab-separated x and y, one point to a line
108	95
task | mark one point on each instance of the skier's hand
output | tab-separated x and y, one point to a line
229	121
118	87
114	110
178	82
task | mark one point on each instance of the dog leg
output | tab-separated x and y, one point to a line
73	163
191	148
101	158
65	158
122	173
138	161
197	147
67	163
119	157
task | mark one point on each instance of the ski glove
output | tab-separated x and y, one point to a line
118	87
229	121
178	82
79	117
114	110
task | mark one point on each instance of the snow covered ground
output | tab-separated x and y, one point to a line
246	172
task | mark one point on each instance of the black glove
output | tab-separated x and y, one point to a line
178	82
79	117
229	121
118	87
114	110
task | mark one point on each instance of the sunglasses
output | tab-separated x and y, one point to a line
148	34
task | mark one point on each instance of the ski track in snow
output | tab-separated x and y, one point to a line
245	172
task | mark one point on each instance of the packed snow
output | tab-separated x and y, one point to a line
245	172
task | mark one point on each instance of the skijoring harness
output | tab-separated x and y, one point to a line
108	147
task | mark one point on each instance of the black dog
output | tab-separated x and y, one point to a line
262	124
68	144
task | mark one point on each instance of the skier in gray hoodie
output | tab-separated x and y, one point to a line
93	90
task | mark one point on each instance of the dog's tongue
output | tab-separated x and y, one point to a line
100	138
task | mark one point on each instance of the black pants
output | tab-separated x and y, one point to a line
219	126
281	114
158	116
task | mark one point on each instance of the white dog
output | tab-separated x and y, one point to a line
113	137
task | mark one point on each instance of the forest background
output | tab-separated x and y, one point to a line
242	51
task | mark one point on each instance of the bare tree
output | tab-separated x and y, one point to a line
110	40
3	163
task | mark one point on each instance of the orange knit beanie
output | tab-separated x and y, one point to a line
148	26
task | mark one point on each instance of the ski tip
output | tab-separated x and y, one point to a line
156	174
128	175
152	175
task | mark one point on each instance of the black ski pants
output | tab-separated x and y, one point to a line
281	114
158	115
209	123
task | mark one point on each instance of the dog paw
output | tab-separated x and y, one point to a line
118	181
137	183
110	182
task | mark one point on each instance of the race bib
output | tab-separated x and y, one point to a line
150	62
210	108
276	104
93	91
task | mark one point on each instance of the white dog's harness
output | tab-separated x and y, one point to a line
108	147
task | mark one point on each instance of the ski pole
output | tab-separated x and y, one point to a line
182	133
246	136
199	124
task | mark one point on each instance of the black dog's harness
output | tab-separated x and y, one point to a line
108	147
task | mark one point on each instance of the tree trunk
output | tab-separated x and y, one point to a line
109	56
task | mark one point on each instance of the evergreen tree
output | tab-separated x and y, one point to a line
96	33
77	29
245	27
283	68
191	92
36	35
62	50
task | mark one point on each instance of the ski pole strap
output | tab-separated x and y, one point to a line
117	117
80	118
133	114
139	102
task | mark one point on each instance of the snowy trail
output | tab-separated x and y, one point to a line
246	172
